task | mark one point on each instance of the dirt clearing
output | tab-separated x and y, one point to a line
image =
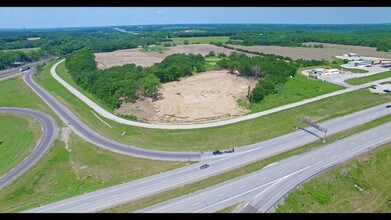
203	97
145	59
327	53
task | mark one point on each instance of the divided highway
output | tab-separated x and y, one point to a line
5	74
115	118
262	189
46	141
116	195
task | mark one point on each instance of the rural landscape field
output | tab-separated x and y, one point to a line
212	114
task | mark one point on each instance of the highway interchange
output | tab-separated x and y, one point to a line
109	197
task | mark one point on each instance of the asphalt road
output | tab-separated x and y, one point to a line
91	136
46	141
4	74
116	195
262	189
115	118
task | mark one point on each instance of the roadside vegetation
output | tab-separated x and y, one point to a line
72	169
366	79
247	169
18	137
361	185
25	50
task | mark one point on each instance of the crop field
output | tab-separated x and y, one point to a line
327	53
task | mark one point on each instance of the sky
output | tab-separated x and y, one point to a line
48	17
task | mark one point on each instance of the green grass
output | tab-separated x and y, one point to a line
211	63
296	89
62	174
201	40
18	137
244	133
15	93
252	167
334	191
366	79
24	50
156	48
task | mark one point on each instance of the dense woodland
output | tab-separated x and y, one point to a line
57	42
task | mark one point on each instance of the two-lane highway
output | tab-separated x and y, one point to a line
46	141
262	189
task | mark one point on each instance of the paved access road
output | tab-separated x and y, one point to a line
91	136
8	73
115	118
46	141
116	195
262	189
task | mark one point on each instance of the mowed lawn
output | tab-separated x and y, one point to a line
18	137
361	185
366	79
25	50
201	40
296	89
62	174
223	137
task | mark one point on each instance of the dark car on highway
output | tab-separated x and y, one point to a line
204	166
388	106
229	151
217	152
387	90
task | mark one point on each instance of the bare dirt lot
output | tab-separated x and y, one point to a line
327	53
145	59
206	96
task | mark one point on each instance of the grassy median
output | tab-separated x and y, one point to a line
202	184
222	137
19	135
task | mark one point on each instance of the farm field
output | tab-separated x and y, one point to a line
201	40
360	185
327	53
122	57
18	137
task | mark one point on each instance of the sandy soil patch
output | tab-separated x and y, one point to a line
33	38
145	59
327	53
203	97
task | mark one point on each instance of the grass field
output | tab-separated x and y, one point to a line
252	167
15	93
244	133
156	48
211	63
18	137
62	174
338	190
366	79
296	89
25	50
201	40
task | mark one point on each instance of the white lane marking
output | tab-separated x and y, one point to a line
141	188
165	181
334	156
327	153
194	204
363	138
320	162
244	193
244	186
373	134
84	204
101	119
220	195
